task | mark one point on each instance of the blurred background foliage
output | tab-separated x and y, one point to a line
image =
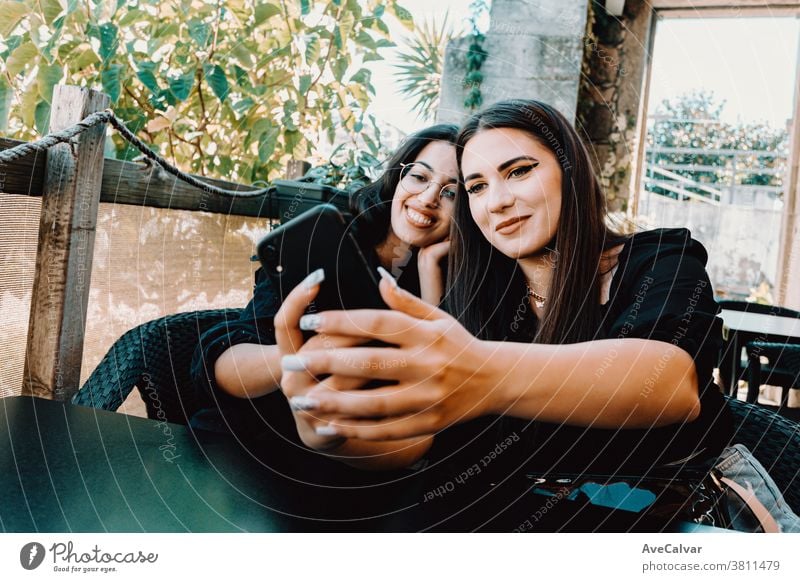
229	88
694	121
421	66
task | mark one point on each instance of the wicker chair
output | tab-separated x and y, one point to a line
154	357
775	441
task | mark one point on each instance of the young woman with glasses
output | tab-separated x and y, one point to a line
402	222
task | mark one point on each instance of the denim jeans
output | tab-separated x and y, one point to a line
738	464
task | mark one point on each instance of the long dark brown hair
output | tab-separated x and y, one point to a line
487	291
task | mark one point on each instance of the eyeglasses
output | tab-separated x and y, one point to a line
416	179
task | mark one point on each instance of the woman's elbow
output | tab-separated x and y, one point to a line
687	394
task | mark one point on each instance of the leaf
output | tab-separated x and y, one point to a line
258	128
181	86
292	138
109	42
42	117
12	42
147	77
87	58
6	93
312	50
158	124
363	76
109	77
28	105
304	85
22	56
10	15
305	7
217	80
243	105
403	15
199	32
346	25
266	143
48	77
51	9
339	68
265	11
364	39
131	17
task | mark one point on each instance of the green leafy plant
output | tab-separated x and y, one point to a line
231	88
476	55
422	63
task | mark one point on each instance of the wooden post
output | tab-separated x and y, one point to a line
71	192
296	169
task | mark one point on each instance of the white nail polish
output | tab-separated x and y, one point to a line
311	321
314	278
294	364
326	430
386	275
303	403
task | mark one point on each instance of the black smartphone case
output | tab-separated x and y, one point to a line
321	238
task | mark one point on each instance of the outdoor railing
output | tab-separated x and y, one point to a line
72	179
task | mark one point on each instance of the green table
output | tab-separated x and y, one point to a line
66	468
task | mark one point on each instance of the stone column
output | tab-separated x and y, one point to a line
535	50
610	103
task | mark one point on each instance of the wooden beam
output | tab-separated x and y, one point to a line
138	184
790	221
71	193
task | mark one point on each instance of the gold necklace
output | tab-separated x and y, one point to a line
537	299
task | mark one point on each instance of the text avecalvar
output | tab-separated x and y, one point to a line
671	549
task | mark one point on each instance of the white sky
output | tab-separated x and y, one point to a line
749	62
389	105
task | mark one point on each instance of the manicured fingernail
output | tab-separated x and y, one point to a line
303	403
385	274
310	321
315	278
326	430
294	363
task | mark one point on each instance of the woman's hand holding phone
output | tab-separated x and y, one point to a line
296	384
444	374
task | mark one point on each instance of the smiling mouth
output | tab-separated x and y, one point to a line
509	226
418	219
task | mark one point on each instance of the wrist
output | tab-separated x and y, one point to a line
497	369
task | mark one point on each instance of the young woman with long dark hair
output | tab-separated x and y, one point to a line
595	347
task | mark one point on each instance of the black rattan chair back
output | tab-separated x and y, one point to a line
775	441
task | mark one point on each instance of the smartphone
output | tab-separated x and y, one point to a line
321	238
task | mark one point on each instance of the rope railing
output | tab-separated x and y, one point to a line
107	116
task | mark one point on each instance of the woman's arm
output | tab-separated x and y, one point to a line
249	370
615	383
445	376
431	276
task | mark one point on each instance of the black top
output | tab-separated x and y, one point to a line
660	291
